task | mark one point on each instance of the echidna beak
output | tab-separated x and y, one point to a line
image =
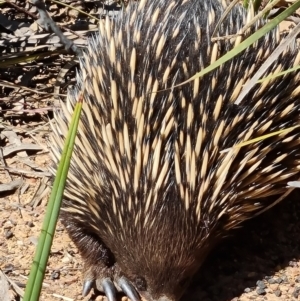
128	289
87	286
109	289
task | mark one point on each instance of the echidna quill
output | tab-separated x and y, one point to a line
149	192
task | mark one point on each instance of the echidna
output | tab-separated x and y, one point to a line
149	191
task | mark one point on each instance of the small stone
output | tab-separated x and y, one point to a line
260	291
296	292
8	268
66	259
8	225
261	284
55	275
285	279
293	263
8	234
30	224
297	279
247	290
34	240
272	281
277	293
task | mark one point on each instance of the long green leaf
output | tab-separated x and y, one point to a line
37	272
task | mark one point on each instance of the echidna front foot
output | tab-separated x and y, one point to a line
101	270
97	276
99	263
103	284
107	281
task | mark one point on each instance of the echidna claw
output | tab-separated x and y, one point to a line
109	289
128	289
87	286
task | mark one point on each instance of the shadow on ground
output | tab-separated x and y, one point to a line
260	249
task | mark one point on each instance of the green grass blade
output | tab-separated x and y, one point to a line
34	284
272	76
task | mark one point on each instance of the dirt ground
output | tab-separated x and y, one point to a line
259	262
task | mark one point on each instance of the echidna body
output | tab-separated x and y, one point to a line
149	191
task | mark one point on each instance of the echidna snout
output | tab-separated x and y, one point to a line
149	193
